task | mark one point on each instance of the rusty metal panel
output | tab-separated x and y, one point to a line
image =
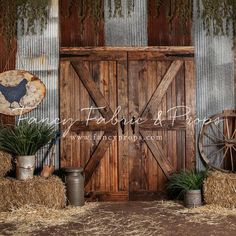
75	34
7	62
162	33
214	73
127	30
39	54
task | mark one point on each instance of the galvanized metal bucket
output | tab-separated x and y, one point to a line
25	166
193	198
74	181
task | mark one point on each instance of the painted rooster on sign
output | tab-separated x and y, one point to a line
14	93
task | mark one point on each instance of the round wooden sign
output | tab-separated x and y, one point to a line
20	92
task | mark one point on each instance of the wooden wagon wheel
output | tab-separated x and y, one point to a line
217	141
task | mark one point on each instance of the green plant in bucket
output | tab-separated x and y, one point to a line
180	183
25	138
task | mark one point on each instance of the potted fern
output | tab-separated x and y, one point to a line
23	141
187	185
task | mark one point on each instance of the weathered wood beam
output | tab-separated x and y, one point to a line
97	156
158	154
93	56
162	88
79	126
165	49
165	125
82	71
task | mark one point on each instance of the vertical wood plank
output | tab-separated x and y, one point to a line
153	80
113	149
143	81
135	159
168	148
104	80
191	103
64	111
173	158
96	178
86	146
73	106
180	100
123	146
77	108
164	65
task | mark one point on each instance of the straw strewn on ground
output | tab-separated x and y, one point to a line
116	218
30	218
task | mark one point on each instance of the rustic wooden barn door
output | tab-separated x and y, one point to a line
134	135
161	92
89	96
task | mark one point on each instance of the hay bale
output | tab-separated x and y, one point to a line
35	192
220	189
5	163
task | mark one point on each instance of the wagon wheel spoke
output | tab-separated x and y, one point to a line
212	137
227	127
231	158
214	153
227	148
213	131
234	148
219	130
233	133
213	145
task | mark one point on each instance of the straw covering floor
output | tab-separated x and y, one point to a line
220	189
120	218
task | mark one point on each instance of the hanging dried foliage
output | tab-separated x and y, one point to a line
95	9
28	12
118	11
218	15
130	6
181	9
87	8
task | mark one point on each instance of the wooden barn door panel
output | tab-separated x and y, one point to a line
86	83
156	87
123	144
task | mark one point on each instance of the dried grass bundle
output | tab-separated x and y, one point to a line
5	163
220	189
35	192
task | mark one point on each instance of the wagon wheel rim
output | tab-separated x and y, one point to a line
217	142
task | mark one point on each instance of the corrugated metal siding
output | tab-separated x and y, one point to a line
39	54
127	30
214	73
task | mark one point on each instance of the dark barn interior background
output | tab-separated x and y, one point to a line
40	54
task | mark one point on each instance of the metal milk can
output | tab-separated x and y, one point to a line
74	181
